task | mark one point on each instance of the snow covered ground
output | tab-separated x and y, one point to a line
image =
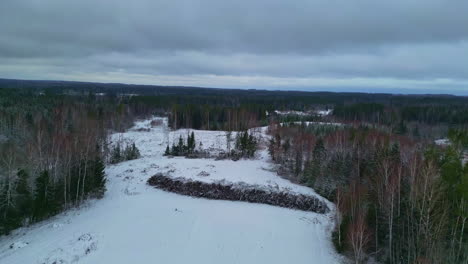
442	142
136	223
313	123
301	113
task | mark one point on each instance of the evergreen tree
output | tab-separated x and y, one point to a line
395	152
24	200
42	196
272	148
298	163
401	129
180	147
246	144
116	155
251	146
131	152
55	199
228	141
315	169
286	145
167	152
191	143
9	216
99	177
174	150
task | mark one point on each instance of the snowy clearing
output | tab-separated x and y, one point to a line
136	223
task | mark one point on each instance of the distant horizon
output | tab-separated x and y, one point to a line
366	90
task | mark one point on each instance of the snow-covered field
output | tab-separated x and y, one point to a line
136	223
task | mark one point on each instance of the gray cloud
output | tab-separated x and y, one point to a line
266	43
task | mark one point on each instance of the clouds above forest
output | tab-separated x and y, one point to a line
339	44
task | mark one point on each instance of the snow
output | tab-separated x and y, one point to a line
324	112
442	142
291	112
18	245
136	223
301	113
309	123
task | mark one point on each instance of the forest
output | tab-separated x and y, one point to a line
400	198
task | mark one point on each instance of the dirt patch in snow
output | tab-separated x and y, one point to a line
238	192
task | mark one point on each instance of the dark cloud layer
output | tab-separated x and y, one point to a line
266	43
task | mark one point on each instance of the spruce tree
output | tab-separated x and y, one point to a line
271	148
24	201
251	146
174	151
55	199
132	152
116	155
318	155
41	196
180	147
10	218
99	177
167	152
192	144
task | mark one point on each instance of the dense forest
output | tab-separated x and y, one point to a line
400	198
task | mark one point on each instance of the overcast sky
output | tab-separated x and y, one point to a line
404	46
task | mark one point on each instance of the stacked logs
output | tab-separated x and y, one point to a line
238	192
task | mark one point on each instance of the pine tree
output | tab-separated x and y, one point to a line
41	196
99	177
132	152
228	141
191	143
55	199
395	152
318	155
9	216
272	149
246	144
286	145
24	200
135	151
167	152
298	163
116	155
174	150
251	146
180	147
48	197
192	146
